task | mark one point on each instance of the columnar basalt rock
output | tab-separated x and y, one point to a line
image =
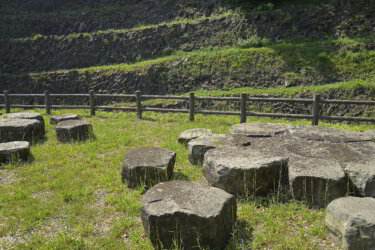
148	166
351	222
74	130
243	171
14	151
55	119
198	147
29	115
314	175
191	134
188	215
20	130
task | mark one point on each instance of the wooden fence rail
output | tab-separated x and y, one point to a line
315	116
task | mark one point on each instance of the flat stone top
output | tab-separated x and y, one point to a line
241	158
17	122
217	140
194	133
184	196
306	158
148	157
353	207
333	135
14	145
71	124
24	115
65	116
260	129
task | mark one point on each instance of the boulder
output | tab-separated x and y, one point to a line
186	215
314	175
260	129
29	115
191	134
14	151
20	130
198	147
55	119
148	166
351	222
243	171
73	130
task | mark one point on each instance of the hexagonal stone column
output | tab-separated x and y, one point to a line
243	171
191	134
20	130
73	130
148	166
198	147
351	222
55	119
188	215
14	151
29	115
314	175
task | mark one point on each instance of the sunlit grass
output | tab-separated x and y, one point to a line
72	196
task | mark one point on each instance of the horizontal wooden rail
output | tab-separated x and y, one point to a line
315	103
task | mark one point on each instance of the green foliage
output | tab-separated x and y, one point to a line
253	41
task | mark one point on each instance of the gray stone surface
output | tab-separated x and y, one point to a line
260	129
198	147
358	161
327	134
351	222
55	119
190	214
20	130
14	151
191	134
29	115
73	130
243	171
314	176
147	166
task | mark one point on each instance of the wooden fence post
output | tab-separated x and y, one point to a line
6	101
243	107
139	104
191	107
315	110
47	102
92	102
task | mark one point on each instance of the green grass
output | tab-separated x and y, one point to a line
72	197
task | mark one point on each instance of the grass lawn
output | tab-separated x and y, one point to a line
72	197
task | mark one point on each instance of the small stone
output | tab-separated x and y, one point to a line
191	134
243	171
20	130
14	151
73	130
148	166
198	147
29	115
55	119
188	215
351	222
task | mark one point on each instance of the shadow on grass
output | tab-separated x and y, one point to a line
178	175
242	236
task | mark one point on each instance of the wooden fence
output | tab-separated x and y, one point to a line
315	116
